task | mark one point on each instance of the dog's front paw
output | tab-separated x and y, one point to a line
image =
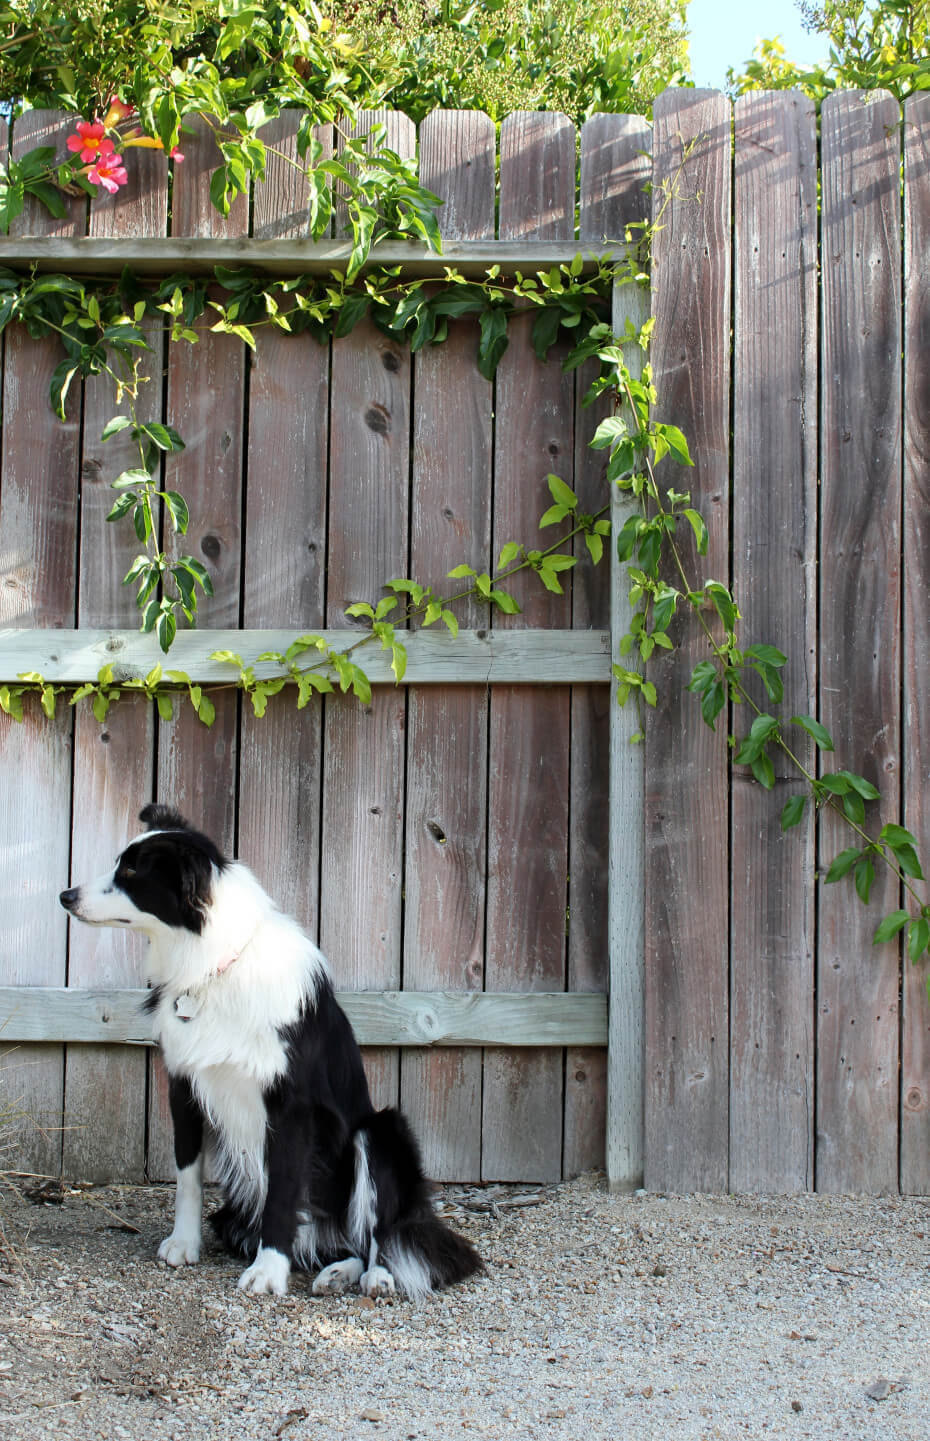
268	1272
179	1249
377	1281
338	1277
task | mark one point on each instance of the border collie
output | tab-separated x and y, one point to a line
264	1067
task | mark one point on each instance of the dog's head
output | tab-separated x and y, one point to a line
164	876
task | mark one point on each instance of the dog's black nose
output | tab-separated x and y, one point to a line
69	898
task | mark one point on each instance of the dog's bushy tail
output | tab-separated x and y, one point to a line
423	1253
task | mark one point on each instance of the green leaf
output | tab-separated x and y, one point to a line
918	938
398	661
895	836
703	674
561	493
62	376
700	529
890	926
712	702
166	629
842	864
906	857
165	708
609	431
114	426
763	770
508	554
176	507
818	733
792	811
864	878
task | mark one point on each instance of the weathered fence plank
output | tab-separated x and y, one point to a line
774	570
38	525
915	1033
446	832
434	657
199	254
206	394
437	1019
687	885
615	167
857	984
113	764
529	735
284	563
363	765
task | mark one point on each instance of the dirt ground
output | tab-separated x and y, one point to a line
605	1317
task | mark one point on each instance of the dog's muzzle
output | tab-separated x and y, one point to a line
71	899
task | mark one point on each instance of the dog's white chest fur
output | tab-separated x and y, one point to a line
223	1028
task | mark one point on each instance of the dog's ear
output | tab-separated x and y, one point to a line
162	818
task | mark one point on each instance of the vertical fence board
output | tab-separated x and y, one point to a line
363	766
206	391
687	893
774	568
38	537
113	763
615	167
528	782
284	563
446	832
915	1034
857	995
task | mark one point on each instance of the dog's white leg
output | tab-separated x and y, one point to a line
377	1280
338	1277
268	1272
182	1247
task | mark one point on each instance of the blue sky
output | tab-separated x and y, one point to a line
724	32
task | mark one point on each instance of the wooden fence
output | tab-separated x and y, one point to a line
449	845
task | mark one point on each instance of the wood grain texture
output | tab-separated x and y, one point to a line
206	395
477	657
450	521
626	1059
774	571
386	1018
284	560
38	544
105	1095
529	730
687	883
615	166
915	1031
857	988
363	767
198	254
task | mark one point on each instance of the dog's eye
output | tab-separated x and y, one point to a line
127	873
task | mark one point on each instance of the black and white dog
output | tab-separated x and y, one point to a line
263	1065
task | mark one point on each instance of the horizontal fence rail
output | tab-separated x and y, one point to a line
383	1018
198	255
558	657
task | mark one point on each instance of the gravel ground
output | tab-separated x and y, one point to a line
624	1317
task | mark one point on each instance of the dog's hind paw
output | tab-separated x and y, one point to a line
377	1281
268	1272
338	1277
180	1250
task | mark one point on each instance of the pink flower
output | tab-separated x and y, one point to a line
109	172
175	154
90	141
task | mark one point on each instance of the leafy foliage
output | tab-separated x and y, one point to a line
871	46
578	56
